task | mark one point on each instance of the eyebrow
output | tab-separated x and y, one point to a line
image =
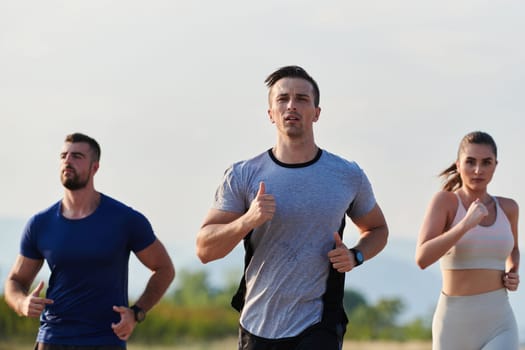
72	153
303	95
474	158
286	94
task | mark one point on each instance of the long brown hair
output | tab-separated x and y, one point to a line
451	178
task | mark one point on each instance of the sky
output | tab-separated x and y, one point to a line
174	93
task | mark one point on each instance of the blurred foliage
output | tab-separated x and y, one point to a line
14	327
198	311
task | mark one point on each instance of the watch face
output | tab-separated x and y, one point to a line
359	258
140	315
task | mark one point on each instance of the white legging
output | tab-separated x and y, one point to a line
478	322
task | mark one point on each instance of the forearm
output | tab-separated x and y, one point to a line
513	261
215	241
157	285
373	241
430	251
14	294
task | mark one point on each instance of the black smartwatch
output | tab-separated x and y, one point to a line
359	258
140	314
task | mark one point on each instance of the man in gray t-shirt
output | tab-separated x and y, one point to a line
289	205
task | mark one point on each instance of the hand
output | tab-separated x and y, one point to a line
476	212
33	305
125	327
511	280
262	207
341	258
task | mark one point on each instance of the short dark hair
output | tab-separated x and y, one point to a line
93	144
293	72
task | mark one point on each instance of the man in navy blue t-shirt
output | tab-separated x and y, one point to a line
86	239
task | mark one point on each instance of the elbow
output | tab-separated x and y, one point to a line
385	236
203	254
203	257
200	251
206	256
203	251
421	263
171	273
166	271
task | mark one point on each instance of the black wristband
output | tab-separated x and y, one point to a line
140	314
358	256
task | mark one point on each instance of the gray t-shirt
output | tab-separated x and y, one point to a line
286	277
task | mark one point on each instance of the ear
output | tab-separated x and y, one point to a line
270	116
95	167
317	114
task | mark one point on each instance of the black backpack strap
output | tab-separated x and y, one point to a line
238	299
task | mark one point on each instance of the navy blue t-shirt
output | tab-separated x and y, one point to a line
88	259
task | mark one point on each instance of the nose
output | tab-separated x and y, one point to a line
66	158
291	104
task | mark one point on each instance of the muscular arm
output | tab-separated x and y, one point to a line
156	258
223	230
17	284
220	233
373	231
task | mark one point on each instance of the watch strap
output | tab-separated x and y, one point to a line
358	256
139	313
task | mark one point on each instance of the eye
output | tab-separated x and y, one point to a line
303	98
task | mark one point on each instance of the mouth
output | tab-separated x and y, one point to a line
291	118
68	170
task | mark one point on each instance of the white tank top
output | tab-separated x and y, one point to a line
482	247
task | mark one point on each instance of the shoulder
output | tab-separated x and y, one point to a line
249	163
113	205
509	206
45	214
445	196
444	200
339	161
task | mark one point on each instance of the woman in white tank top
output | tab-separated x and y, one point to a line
475	237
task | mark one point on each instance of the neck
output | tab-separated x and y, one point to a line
79	204
295	152
470	195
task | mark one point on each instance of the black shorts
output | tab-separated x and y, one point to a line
42	346
313	338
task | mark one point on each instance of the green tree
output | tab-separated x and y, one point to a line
194	289
352	300
377	322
